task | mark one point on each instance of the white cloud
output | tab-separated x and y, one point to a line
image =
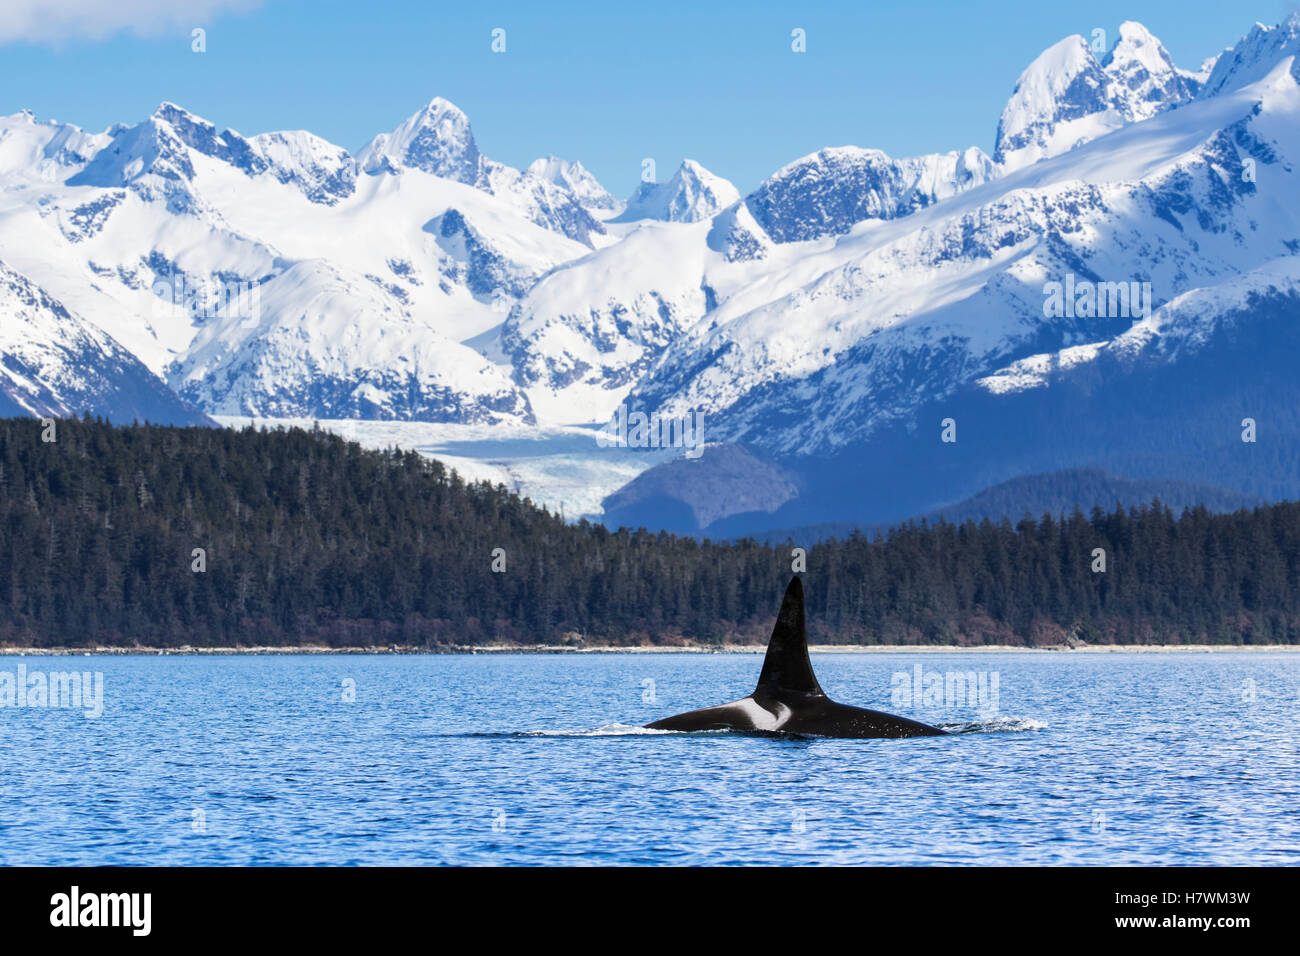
57	21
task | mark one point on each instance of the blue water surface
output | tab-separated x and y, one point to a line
1179	758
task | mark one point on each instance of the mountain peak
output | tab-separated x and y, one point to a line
1255	56
1144	79
437	140
549	164
826	193
1054	67
571	175
691	195
1064	83
153	157
1137	44
440	105
1132	32
192	129
442	114
167	110
1067	97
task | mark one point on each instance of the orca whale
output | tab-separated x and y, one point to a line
788	699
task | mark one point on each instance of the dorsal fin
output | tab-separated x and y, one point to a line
786	666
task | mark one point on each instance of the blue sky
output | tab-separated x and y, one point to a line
606	83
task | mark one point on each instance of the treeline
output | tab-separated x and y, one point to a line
162	536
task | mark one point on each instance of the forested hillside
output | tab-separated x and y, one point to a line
169	536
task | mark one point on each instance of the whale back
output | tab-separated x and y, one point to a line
787	668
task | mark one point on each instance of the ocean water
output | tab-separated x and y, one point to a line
1178	758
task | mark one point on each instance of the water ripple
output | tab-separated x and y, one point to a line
1087	760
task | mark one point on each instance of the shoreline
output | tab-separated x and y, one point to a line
320	650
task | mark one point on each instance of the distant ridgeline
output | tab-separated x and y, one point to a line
163	536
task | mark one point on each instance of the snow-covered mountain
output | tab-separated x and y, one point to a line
437	140
824	312
54	363
593	327
274	275
861	328
1068	96
829	192
573	176
691	194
